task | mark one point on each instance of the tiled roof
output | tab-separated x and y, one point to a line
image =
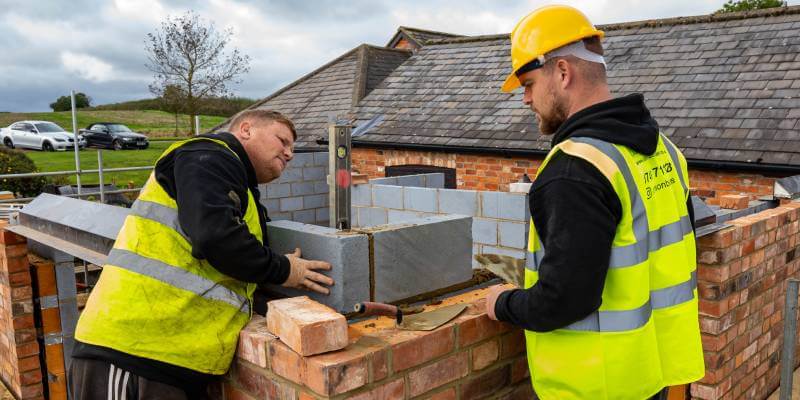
723	87
419	37
330	91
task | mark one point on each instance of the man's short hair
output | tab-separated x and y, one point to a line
594	72
263	116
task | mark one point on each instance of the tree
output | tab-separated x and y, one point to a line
64	103
189	53
173	100
747	5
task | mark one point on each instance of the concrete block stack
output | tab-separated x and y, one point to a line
301	193
468	358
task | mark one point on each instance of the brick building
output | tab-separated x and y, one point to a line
724	88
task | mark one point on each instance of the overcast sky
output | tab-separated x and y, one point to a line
48	47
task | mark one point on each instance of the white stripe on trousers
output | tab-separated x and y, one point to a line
114	375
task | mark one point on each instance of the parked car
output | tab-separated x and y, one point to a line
39	135
113	136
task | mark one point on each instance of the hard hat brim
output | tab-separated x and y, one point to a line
511	83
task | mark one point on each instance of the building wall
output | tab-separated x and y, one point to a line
491	172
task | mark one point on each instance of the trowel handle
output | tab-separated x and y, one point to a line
369	308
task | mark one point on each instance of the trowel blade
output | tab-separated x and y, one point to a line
430	320
509	269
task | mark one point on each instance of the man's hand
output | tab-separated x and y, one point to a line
491	299
302	274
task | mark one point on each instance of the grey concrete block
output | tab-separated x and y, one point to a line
321	159
411	259
361	195
462	202
348	255
302	188
315	201
399	216
262	188
513	206
272	205
291	204
314	173
291	175
484	231
286	216
371	216
387	196
323	214
392	180
420	199
304	216
321	187
476	249
435	180
512	234
278	190
411	181
490	204
302	160
503	251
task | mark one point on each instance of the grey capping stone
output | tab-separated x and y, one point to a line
291	204
455	201
314	173
281	216
302	188
512	234
387	196
392	180
420	199
411	259
484	231
347	253
315	201
372	216
361	195
277	190
410	181
513	206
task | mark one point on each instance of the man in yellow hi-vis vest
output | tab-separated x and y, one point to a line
610	301
165	315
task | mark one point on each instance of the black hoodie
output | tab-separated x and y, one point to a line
576	215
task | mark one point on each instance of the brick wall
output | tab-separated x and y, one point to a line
492	172
469	357
742	275
301	193
20	368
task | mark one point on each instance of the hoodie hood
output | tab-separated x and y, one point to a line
625	121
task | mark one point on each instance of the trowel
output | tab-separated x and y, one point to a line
509	269
424	321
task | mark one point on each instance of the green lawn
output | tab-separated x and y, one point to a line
150	122
65	161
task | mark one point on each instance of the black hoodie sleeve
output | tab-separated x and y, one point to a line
210	187
576	216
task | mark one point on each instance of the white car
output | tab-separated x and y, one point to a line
39	135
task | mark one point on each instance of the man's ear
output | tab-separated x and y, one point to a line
565	72
244	130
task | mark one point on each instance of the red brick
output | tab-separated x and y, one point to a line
259	385
306	326
23	321
438	374
27	349
522	391
412	348
32	391
477	328
17	264
520	370
285	362
512	344
10	238
19	279
380	364
253	341
485	384
394	390
484	355
233	393
31	377
337	372
13	251
21	293
28	363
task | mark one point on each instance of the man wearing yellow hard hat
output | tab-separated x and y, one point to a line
610	300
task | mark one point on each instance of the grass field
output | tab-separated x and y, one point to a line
65	161
149	122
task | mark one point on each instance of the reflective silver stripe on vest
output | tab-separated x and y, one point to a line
177	277
159	213
638	252
673	154
619	321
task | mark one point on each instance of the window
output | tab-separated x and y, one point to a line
48	127
400	170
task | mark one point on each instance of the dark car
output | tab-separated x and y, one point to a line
113	136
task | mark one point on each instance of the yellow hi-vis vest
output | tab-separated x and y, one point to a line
155	300
645	336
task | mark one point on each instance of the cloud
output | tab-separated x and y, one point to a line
87	67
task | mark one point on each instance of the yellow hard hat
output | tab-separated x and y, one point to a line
542	31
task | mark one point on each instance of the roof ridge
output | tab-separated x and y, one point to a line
649	23
384	48
410	28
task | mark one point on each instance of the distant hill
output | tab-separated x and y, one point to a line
222	107
150	122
